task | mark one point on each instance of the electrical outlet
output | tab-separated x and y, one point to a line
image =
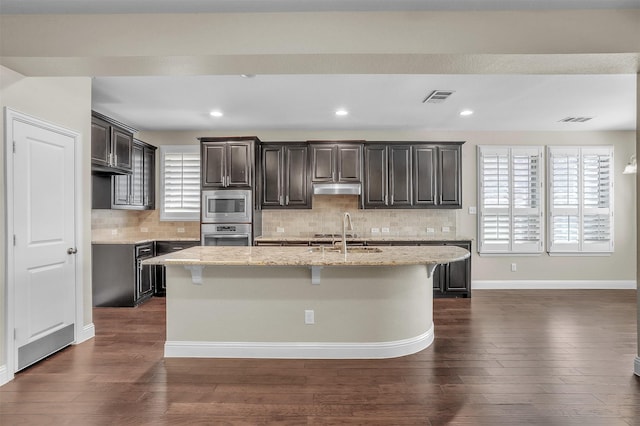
431	230
114	232
180	230
514	267
309	316
385	230
143	229
375	230
445	229
279	229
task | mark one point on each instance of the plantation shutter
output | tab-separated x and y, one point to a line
527	215
180	177
510	191
580	200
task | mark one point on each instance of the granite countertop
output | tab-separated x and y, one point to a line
139	240
357	239
310	256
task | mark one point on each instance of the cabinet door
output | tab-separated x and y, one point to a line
145	281
149	178
213	165
424	175
239	160
449	181
323	163
272	165
375	176
349	158
137	177
121	190
400	186
122	146
458	278
296	188
100	142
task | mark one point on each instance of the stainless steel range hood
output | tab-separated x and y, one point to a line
337	189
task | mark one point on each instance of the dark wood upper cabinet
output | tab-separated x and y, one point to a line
284	178
425	166
336	162
111	146
228	162
388	180
449	175
400	178
375	187
136	191
413	175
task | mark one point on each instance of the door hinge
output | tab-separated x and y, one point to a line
14	147
14	239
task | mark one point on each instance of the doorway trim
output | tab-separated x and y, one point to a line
82	332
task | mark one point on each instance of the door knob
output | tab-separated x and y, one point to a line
72	250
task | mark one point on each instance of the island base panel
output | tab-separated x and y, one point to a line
259	311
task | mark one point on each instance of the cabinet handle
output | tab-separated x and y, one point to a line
110	159
115	159
281	200
287	201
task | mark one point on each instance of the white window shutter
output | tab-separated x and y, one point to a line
510	199
180	183
580	200
597	189
527	214
494	220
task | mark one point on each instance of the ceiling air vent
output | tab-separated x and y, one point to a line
438	96
575	119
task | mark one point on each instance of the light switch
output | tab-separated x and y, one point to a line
472	210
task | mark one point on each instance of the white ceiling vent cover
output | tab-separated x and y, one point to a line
575	119
438	96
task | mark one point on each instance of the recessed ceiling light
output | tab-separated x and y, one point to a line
466	112
216	113
342	112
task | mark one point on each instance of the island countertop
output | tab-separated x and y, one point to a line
311	256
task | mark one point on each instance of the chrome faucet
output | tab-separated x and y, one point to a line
346	226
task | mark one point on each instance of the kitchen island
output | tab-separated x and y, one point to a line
301	302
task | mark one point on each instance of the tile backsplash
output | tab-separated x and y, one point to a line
115	224
326	217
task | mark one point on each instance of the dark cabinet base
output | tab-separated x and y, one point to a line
117	278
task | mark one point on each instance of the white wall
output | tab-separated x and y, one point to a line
65	101
620	266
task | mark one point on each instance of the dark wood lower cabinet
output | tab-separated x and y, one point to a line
166	247
451	280
118	277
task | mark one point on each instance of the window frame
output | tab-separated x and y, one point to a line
581	246
187	216
509	208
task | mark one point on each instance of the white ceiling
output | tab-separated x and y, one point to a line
203	6
500	102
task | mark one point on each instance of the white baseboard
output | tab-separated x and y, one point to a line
87	332
4	375
181	349
552	284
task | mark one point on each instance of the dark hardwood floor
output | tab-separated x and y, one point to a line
559	357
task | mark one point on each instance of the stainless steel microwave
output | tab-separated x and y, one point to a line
227	206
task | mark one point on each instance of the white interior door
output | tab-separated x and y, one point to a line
44	241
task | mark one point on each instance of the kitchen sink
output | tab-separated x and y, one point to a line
355	249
